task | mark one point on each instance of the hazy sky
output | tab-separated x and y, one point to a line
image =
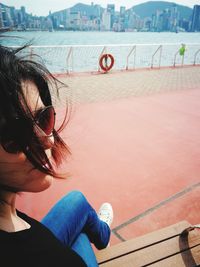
42	7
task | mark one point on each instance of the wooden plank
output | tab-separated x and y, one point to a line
158	252
139	242
189	258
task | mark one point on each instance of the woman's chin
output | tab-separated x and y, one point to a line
41	182
45	183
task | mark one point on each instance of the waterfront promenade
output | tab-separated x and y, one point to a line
135	142
98	87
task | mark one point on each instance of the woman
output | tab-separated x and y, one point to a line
30	149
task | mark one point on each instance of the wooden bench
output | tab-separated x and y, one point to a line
169	246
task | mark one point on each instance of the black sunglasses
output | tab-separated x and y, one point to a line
20	132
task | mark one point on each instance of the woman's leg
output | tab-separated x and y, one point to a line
83	247
73	215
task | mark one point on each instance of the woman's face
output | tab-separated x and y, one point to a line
16	170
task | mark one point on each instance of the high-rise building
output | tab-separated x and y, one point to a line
7	19
195	26
75	20
106	21
174	18
111	10
1	17
122	11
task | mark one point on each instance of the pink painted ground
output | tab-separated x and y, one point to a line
135	153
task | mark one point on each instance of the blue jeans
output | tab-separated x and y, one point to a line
76	224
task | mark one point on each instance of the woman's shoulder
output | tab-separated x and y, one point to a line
37	243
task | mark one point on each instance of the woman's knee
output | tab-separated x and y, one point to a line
78	195
77	198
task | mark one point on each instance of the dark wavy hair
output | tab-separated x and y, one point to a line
16	69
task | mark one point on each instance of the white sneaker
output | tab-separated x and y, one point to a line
105	213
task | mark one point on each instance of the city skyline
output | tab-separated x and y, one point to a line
36	8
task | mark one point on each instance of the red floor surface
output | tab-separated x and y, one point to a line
141	154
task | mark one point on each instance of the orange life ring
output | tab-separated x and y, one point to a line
104	58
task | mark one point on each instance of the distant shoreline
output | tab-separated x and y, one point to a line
37	30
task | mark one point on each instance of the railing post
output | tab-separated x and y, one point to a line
181	51
158	49
102	52
195	56
133	49
70	54
175	58
182	61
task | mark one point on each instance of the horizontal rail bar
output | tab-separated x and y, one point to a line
111	45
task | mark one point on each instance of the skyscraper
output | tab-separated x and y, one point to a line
195	26
106	21
111	10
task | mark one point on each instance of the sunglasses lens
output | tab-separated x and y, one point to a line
18	132
46	120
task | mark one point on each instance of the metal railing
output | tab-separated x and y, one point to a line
182	58
195	56
85	58
102	52
133	49
70	55
152	60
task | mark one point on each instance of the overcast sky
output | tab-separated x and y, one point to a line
42	7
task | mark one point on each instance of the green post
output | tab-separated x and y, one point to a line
182	52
